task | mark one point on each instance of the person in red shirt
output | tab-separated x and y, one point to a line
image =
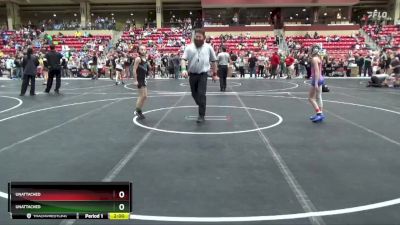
275	60
289	61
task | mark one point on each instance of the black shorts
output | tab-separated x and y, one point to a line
142	82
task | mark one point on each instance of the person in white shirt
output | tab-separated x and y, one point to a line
10	66
261	65
101	49
119	71
223	60
195	63
73	66
240	62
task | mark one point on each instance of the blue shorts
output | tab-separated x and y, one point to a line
320	83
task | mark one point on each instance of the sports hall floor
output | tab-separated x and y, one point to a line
257	159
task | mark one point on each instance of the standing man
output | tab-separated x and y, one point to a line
282	65
29	65
395	68
18	66
289	61
223	62
198	57
275	60
261	65
93	66
368	65
176	62
240	62
54	67
252	65
360	64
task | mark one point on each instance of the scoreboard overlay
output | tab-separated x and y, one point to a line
70	200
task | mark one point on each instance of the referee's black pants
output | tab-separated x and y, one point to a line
25	83
222	73
52	74
198	86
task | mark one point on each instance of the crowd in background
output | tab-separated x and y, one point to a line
101	58
388	38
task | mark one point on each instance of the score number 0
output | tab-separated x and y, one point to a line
121	206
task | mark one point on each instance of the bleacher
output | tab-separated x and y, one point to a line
16	38
386	31
154	36
338	50
233	45
77	43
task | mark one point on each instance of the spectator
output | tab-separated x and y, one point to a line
10	66
289	61
252	65
275	60
29	65
368	65
261	65
176	63
395	68
240	62
18	66
64	67
360	64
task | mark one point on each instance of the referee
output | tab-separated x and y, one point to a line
198	57
54	66
223	63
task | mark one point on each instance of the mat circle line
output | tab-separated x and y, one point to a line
348	210
126	86
231	84
280	120
14	107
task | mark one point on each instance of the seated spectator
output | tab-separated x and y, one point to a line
150	43
298	46
170	43
307	35
78	34
336	38
290	43
265	47
183	41
316	35
160	40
